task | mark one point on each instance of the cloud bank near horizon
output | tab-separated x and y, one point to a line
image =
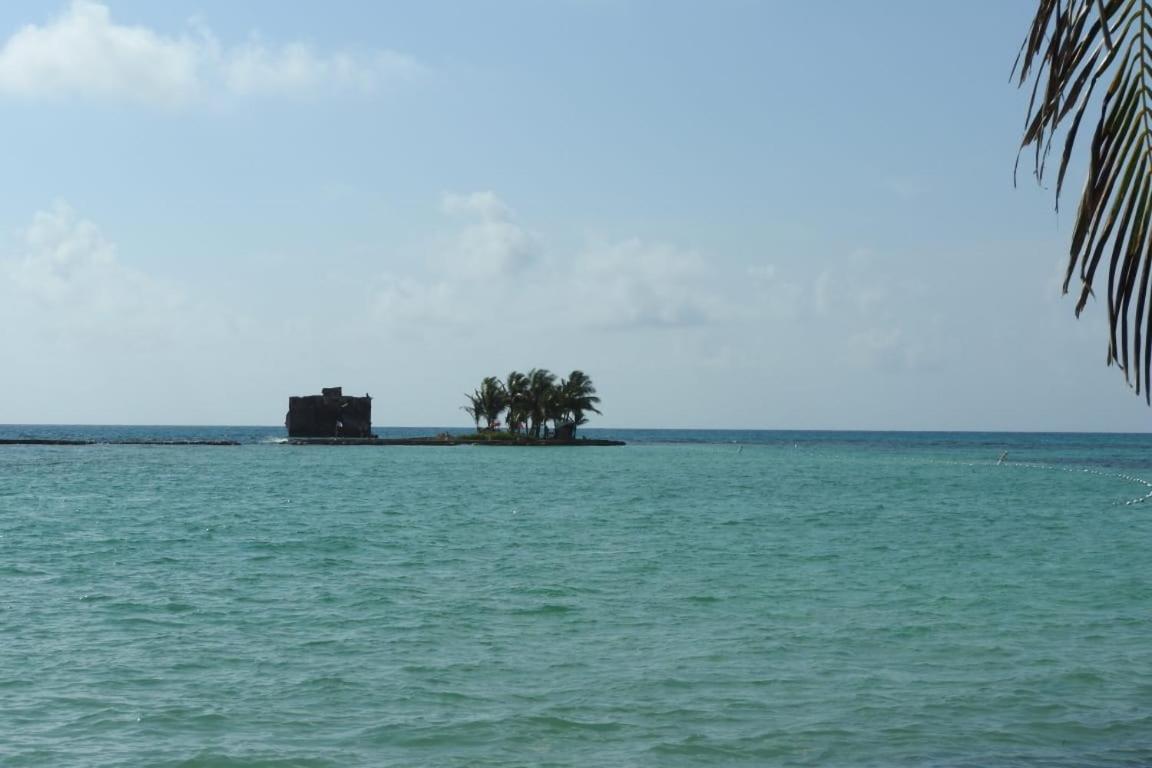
486	294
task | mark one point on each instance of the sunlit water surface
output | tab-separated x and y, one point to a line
694	598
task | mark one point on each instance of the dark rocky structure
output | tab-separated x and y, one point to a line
329	414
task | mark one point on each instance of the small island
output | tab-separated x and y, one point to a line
524	409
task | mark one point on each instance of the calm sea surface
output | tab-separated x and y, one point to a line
694	598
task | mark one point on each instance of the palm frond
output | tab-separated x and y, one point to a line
1072	47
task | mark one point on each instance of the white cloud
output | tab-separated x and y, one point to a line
491	247
485	204
782	299
95	337
632	283
886	349
296	68
84	52
68	278
632	304
494	268
877	315
404	300
92	337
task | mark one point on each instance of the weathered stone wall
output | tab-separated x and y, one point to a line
329	415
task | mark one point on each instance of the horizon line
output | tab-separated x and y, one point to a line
859	430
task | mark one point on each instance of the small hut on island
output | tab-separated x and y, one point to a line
329	414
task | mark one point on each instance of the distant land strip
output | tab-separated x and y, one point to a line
66	441
449	440
430	441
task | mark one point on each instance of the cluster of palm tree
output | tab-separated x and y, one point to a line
528	401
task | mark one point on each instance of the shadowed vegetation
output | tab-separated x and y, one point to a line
529	402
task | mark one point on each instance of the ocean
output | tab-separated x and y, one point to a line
714	598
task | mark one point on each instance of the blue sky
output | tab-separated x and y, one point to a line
730	214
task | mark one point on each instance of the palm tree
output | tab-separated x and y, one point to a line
555	407
578	397
492	400
516	392
1072	46
540	391
474	409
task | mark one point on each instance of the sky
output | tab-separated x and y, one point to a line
732	214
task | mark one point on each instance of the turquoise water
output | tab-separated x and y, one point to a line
694	598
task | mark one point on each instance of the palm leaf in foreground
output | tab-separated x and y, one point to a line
1072	47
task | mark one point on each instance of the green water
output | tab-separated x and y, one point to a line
812	603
